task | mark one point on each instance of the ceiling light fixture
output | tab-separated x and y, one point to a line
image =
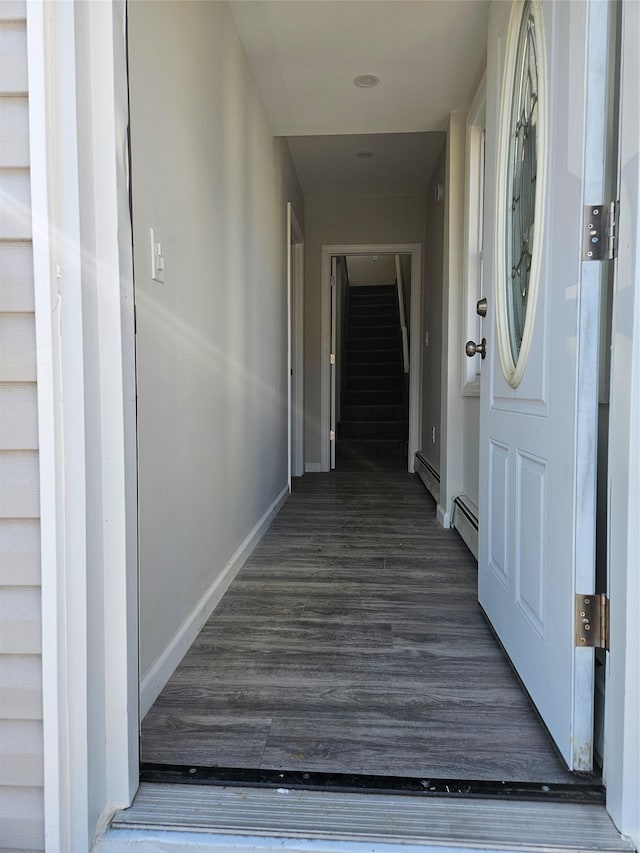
366	81
364	155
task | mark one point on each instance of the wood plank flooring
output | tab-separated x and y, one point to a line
352	642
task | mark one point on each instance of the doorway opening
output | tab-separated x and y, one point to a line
251	367
371	366
370	371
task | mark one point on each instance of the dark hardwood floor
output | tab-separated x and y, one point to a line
352	641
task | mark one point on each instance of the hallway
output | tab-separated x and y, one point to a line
352	641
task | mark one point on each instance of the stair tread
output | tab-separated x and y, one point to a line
397	398
372	423
394	413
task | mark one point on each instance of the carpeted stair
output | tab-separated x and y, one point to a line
373	427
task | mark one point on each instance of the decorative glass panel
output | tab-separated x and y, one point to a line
521	181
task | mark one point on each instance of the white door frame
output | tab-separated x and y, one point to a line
295	349
415	332
74	792
622	696
83	281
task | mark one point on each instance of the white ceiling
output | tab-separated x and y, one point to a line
402	163
305	54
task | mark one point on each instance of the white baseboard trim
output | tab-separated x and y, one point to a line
465	520
428	474
443	517
313	467
161	671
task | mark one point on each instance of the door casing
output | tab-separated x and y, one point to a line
54	84
415	333
295	359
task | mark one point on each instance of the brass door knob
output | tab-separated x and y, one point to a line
472	348
481	307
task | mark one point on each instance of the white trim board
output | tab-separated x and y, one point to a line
77	70
464	518
295	362
165	665
429	476
415	333
50	456
622	696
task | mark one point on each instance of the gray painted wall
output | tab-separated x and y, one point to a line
363	269
387	219
211	345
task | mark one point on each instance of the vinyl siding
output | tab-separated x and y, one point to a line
21	749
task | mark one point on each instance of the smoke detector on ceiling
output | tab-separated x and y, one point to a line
366	81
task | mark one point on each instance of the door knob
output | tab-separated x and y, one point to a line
472	348
481	307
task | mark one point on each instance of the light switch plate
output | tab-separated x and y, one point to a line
157	258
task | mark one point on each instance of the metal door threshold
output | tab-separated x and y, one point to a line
188	817
586	788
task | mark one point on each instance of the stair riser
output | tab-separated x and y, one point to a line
374	369
357	333
372	311
373	429
372	299
361	289
373	357
374	413
367	322
351	447
373	343
373	397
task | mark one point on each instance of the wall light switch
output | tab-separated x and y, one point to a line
157	258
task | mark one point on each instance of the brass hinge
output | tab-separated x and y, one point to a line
332	358
592	621
600	232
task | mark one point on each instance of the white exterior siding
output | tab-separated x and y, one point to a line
21	734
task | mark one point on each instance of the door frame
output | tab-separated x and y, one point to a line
415	333
74	791
85	344
295	348
622	695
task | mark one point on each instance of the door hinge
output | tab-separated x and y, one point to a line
332	358
333	281
592	621
332	435
600	232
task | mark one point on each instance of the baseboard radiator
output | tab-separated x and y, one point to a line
465	521
428	474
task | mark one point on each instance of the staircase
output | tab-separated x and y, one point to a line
373	427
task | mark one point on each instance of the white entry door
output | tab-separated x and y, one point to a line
546	110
